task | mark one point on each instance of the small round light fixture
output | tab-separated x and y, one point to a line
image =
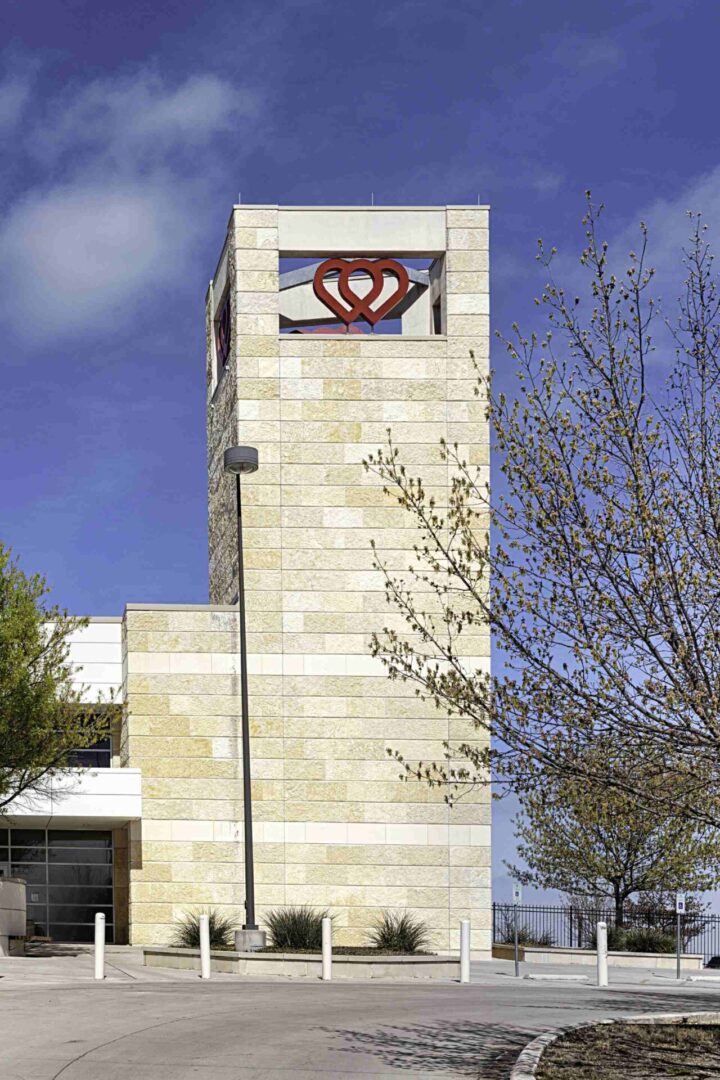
240	459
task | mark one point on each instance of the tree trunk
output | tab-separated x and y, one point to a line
619	905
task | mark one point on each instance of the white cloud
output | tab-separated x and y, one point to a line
142	117
71	256
670	229
546	182
14	95
577	51
130	159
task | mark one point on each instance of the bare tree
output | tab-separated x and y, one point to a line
602	586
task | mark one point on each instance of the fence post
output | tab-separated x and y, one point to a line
602	957
99	945
700	929
327	949
570	910
464	950
204	946
515	944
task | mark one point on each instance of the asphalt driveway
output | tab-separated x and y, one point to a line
149	1025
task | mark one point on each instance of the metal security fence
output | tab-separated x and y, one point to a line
574	928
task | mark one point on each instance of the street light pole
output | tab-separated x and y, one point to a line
238	460
250	923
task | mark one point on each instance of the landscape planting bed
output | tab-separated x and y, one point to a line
342	950
625	1051
541	954
355	964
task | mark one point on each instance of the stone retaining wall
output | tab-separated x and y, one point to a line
297	965
661	961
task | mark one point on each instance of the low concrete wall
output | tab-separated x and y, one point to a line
13	911
299	965
533	954
507	952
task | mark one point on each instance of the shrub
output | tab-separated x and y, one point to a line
296	928
615	938
505	934
642	939
400	933
637	939
186	934
526	936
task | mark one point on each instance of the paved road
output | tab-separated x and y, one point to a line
55	1022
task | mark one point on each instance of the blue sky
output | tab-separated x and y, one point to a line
127	131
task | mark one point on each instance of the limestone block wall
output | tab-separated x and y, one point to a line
121	884
249	271
181	727
338	828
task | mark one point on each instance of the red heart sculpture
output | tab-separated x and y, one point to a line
360	305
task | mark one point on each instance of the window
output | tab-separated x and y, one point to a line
98	756
69	878
223	332
388	295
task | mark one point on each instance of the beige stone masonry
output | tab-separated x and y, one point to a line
335	826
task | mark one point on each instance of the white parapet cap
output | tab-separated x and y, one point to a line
93	798
411	231
358	230
375	207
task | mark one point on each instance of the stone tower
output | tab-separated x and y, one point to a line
290	373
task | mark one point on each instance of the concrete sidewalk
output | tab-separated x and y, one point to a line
150	1025
489	972
74	966
63	965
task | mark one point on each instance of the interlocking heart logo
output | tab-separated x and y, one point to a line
360	305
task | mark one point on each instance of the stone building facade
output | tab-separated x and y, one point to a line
338	826
335	827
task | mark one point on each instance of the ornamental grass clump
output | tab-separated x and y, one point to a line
527	936
642	939
186	933
649	940
400	933
296	929
615	938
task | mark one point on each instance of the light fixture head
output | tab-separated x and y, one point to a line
240	459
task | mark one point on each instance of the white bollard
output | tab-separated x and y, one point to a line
602	951
327	950
99	946
204	947
464	950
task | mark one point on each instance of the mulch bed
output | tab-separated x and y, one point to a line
344	950
338	950
634	1052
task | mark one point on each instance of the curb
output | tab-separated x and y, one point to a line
525	1068
542	977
